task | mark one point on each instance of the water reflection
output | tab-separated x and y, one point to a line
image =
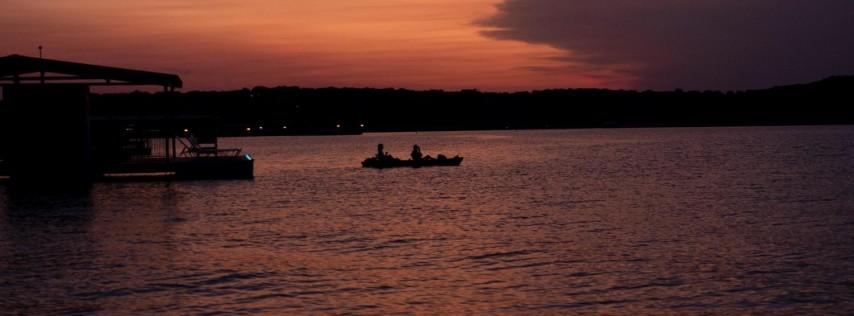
44	246
687	221
67	249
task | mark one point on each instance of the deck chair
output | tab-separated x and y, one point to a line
193	147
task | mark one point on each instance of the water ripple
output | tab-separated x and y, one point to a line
720	221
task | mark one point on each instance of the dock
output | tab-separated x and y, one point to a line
212	168
48	134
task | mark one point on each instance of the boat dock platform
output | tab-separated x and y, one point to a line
195	168
49	134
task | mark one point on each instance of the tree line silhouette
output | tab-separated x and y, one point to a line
293	110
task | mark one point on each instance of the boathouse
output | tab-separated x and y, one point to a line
48	134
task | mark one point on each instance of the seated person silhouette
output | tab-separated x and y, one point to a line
416	153
381	155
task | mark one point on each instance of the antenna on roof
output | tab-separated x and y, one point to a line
41	64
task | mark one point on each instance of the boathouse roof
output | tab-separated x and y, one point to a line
17	69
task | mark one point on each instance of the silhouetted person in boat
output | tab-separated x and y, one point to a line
416	153
381	155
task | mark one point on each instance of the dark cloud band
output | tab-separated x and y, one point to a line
699	44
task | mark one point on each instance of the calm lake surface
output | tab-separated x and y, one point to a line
630	221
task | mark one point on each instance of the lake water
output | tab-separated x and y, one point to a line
625	221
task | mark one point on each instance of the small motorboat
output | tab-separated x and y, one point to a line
373	162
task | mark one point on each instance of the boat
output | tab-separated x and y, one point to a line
373	162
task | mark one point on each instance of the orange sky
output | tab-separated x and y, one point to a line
230	44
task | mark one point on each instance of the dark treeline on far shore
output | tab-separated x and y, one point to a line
293	110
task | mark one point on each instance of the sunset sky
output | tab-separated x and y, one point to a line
495	45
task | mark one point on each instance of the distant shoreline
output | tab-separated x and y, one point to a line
332	111
542	129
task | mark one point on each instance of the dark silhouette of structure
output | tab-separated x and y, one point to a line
49	134
14	68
